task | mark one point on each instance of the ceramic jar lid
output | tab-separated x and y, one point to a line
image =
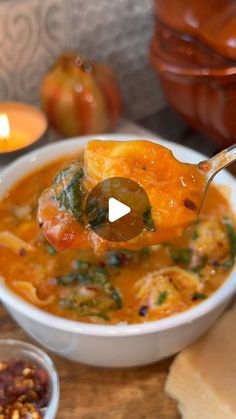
211	22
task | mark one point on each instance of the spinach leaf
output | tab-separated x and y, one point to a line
231	236
99	276
97	213
145	251
102	315
195	235
181	256
72	194
83	309
66	279
85	274
51	250
228	264
117	298
82	264
199	296
162	298
60	176
101	292
148	220
114	259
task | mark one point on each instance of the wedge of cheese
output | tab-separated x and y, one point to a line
202	378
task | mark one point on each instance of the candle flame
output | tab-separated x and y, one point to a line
4	127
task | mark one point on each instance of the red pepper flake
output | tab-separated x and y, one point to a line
24	390
190	204
22	252
102	264
204	166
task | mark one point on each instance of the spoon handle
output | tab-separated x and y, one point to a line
219	161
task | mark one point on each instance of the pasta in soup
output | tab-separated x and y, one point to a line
119	285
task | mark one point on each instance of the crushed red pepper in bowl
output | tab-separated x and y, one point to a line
24	390
29	387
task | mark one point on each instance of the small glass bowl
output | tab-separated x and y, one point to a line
16	349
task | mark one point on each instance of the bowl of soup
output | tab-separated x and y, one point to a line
121	308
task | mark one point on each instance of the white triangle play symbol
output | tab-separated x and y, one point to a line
116	210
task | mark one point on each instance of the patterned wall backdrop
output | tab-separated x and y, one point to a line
34	32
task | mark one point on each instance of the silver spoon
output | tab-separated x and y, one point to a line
218	162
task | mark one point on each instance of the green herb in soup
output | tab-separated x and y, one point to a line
89	290
70	192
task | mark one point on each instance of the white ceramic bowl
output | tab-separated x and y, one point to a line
121	345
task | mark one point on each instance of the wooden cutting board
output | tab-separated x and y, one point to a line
97	393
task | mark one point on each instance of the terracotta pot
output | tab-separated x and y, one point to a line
212	22
198	81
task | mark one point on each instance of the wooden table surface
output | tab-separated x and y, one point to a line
97	393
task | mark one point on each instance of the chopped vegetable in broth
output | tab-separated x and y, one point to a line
119	286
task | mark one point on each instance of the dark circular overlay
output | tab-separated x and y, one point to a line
127	192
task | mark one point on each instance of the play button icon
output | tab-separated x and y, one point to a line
116	208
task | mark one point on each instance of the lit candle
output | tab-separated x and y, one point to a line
20	126
4	127
10	139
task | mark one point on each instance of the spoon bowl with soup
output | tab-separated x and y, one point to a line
175	192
